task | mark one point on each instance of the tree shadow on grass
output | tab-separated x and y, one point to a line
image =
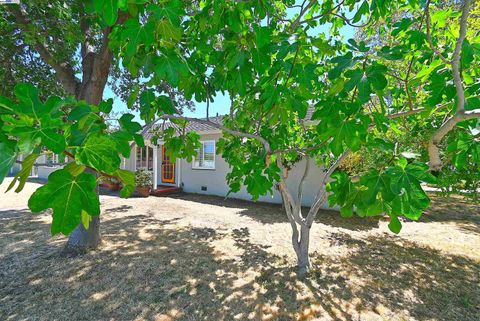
464	213
119	209
385	271
268	213
153	269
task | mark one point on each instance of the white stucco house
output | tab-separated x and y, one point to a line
206	174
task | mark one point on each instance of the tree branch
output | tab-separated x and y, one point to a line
292	209
435	161
302	182
295	23
64	71
405	113
321	196
457	77
263	141
429	36
433	145
323	14
348	22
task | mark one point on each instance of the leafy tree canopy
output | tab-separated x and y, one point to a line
298	88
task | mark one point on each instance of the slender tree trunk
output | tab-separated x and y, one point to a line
303	258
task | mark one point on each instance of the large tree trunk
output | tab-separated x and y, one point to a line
82	240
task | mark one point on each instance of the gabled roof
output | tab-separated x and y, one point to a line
191	126
198	127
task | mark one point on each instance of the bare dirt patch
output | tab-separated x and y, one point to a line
193	257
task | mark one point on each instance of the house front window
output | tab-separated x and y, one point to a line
205	158
144	158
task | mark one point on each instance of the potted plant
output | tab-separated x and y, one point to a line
143	182
112	183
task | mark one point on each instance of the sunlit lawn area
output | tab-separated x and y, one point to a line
192	257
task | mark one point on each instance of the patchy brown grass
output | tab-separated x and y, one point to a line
193	257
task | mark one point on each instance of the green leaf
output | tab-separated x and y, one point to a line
29	104
122	140
53	140
342	63
263	36
165	105
147	98
337	86
24	173
346	212
99	152
86	219
323	45
6	106
167	31
79	111
257	184
169	67
376	76
74	169
363	10
128	181
67	196
409	198
136	35
171	9
46	135
108	9
8	155
395	226
128	125
106	106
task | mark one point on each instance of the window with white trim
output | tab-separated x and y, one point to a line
205	158
144	158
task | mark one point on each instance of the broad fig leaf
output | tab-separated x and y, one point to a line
99	152
128	181
122	140
106	106
48	136
128	125
165	105
168	31
108	9
67	196
29	103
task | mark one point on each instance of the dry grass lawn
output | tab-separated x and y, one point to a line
192	257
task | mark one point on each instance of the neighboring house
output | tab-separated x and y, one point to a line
206	174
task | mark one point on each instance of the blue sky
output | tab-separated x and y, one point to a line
221	103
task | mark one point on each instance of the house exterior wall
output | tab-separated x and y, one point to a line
44	171
192	180
129	163
15	168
